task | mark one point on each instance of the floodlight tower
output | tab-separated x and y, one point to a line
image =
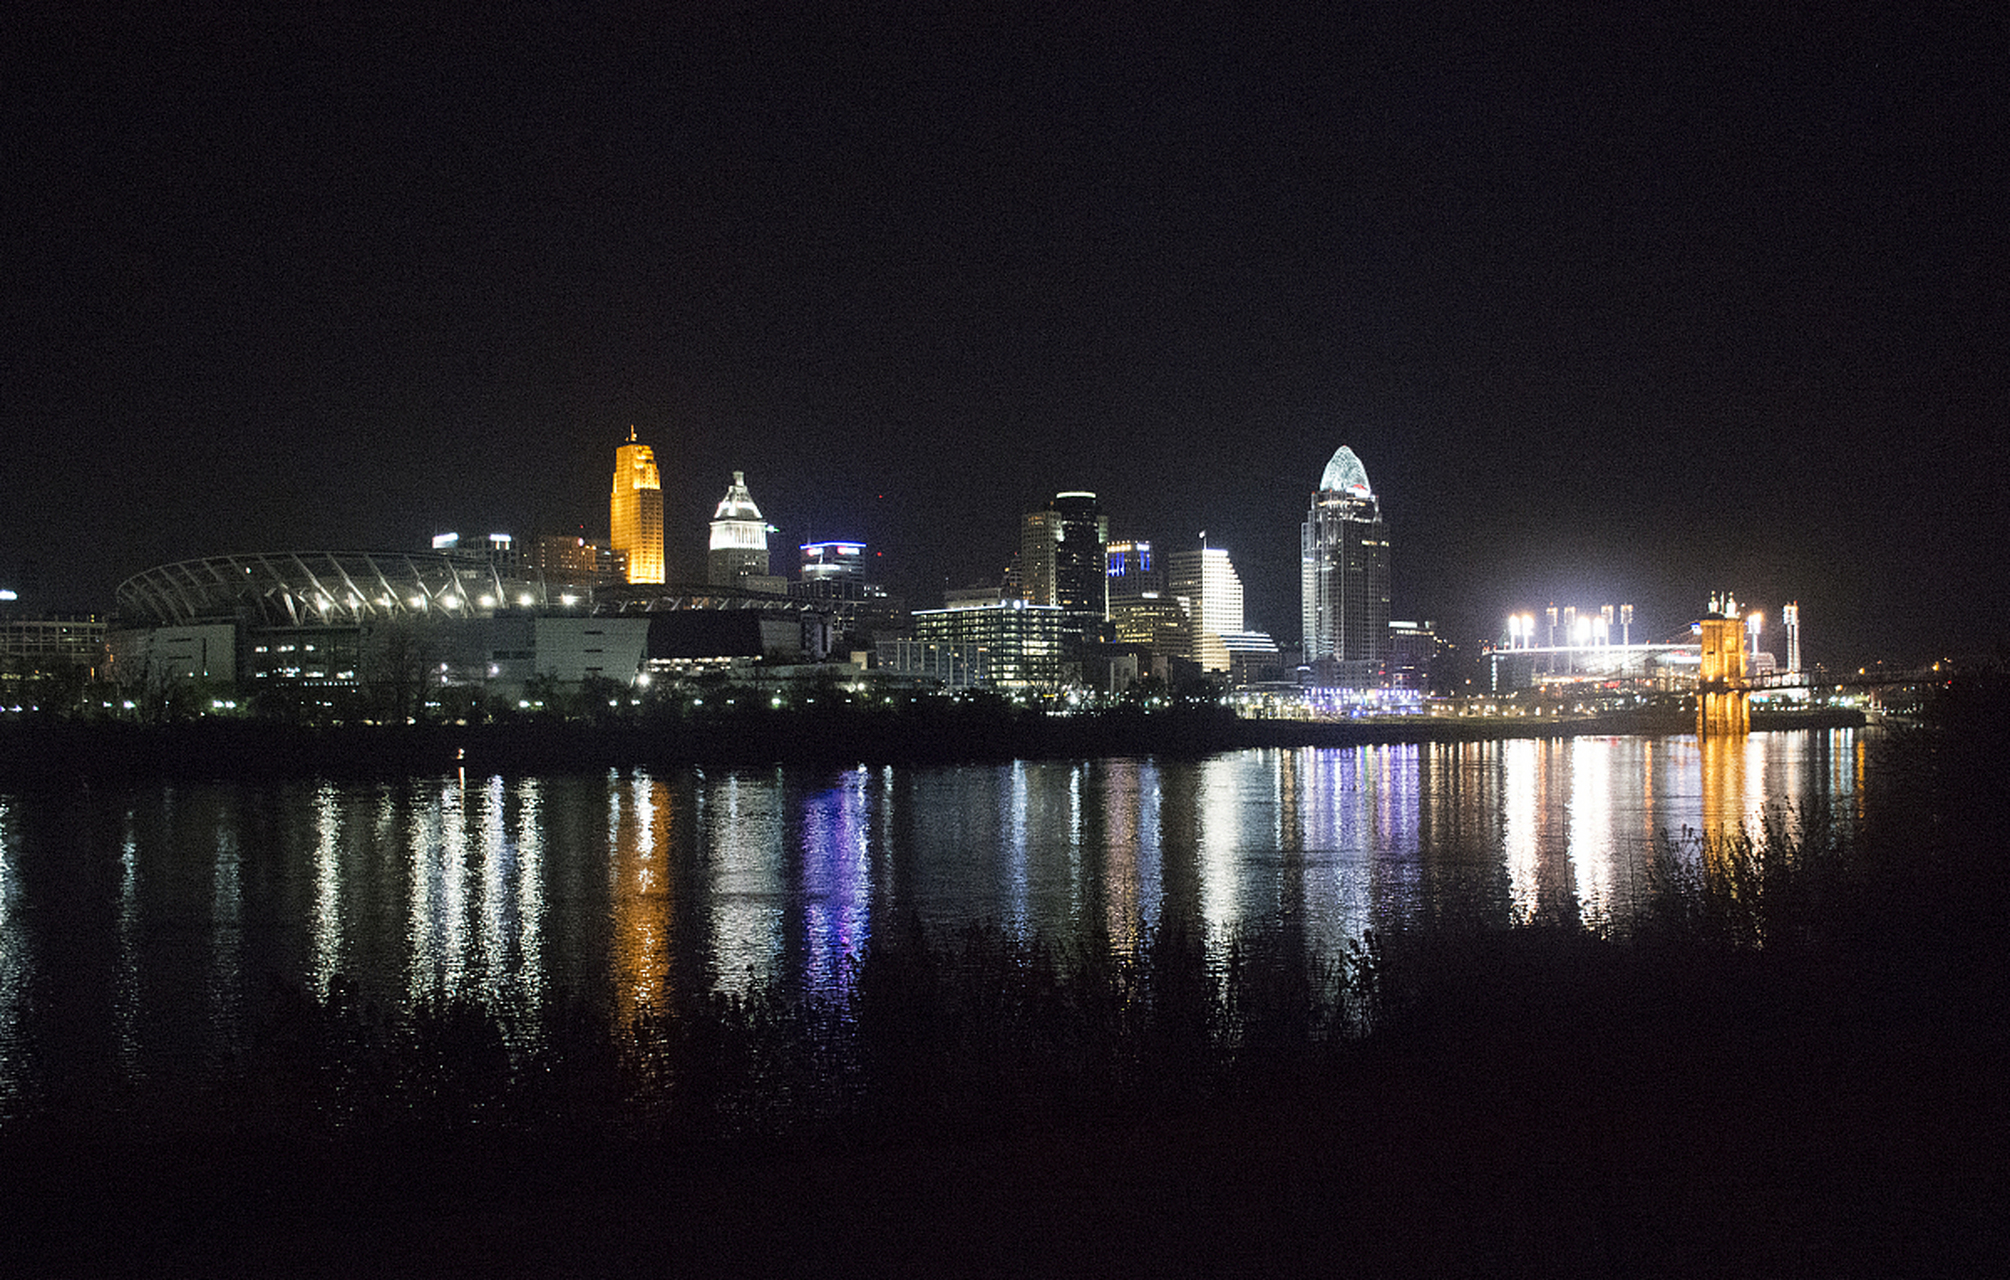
1626	625
1790	617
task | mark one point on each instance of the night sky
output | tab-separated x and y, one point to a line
1628	305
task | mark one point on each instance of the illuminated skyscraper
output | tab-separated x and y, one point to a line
1131	573
833	570
1142	612
1344	576
635	511
1205	581
739	538
1061	554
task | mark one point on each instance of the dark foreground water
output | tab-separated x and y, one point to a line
140	929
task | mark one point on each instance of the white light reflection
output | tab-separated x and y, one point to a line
1013	821
126	988
437	934
747	840
1519	803
530	890
1132	886
493	909
1591	817
15	962
226	932
327	924
1074	844
1339	844
1398	864
1218	846
883	836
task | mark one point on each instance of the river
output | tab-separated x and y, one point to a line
141	927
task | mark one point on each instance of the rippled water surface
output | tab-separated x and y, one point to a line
138	929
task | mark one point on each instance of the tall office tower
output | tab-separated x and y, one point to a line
1061	554
1206	582
739	538
1344	576
635	511
1790	616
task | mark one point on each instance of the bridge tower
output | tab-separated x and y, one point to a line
1723	703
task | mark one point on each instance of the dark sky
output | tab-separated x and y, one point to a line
1631	304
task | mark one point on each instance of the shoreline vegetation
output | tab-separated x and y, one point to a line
1792	1064
942	731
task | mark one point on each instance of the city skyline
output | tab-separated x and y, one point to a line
1635	308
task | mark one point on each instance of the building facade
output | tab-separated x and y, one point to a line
1205	582
635	511
739	544
395	627
1344	577
1017	645
1132	573
1061	550
833	570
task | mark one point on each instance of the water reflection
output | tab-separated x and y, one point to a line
836	849
126	985
136	932
15	965
527	892
639	817
1131	852
744	843
327	887
226	942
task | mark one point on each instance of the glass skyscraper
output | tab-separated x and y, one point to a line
1344	577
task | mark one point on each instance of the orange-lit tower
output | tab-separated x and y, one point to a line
1723	706
635	511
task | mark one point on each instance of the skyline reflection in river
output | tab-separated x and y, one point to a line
139	927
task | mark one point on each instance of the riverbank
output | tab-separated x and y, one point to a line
108	752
